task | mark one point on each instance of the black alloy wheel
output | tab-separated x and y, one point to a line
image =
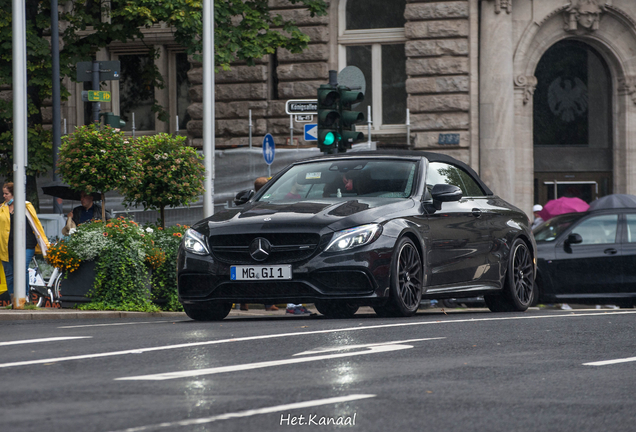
518	292
406	281
333	309
207	311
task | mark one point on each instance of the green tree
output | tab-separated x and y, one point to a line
245	30
94	159
166	173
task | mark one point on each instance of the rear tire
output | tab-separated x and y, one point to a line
406	281
518	290
207	311
332	309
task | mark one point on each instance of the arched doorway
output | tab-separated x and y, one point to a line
572	123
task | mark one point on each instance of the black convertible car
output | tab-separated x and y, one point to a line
377	229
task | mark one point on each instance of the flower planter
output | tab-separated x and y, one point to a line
75	286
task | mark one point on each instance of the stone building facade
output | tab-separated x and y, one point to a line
538	96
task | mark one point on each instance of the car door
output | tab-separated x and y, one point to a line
456	250
629	253
593	266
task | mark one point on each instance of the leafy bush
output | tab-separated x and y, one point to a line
166	173
96	159
164	277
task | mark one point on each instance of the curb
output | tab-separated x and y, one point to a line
22	315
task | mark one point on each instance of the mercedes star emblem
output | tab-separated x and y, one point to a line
260	249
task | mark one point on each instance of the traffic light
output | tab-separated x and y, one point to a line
349	118
113	120
328	118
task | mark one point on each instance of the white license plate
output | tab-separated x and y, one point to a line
283	272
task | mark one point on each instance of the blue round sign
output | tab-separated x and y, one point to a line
269	148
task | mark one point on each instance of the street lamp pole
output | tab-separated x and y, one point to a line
19	152
208	106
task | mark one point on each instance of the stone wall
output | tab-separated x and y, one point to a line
438	75
263	88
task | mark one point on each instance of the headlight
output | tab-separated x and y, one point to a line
195	242
354	237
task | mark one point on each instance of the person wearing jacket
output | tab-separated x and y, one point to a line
35	239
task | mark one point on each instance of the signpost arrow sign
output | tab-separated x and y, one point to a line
311	132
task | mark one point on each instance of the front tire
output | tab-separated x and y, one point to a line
333	309
207	311
406	281
518	291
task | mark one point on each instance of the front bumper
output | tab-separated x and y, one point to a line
361	275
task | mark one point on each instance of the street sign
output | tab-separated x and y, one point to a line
311	132
108	71
301	106
95	96
269	148
302	118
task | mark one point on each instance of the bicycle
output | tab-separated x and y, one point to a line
42	290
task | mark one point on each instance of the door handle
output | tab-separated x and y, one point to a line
610	251
476	212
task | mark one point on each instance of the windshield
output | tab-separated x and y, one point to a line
343	179
553	228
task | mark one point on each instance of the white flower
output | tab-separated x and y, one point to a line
72	230
103	151
149	230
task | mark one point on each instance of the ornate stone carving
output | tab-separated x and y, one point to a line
503	4
627	85
583	14
528	83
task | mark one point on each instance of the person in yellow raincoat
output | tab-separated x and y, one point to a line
36	240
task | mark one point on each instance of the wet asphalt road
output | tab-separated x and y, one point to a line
457	371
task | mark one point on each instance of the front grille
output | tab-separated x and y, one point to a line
286	247
269	290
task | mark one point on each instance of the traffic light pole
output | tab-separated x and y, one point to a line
333	80
95	84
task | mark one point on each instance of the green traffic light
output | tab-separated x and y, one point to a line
329	138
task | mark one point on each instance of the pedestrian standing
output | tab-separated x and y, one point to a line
36	240
537	218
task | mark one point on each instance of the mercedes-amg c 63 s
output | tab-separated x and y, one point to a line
377	229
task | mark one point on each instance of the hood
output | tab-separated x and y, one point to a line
315	216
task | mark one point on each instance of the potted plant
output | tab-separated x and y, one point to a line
166	173
119	254
96	159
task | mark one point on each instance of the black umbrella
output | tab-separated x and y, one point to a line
62	190
614	201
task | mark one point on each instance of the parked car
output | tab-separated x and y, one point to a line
377	229
587	258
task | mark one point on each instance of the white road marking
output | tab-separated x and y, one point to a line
303	334
252	412
372	349
116	324
351	347
51	339
610	362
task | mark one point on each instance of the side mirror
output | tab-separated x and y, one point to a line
243	196
446	193
574	238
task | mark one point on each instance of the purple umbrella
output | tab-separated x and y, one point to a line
561	206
